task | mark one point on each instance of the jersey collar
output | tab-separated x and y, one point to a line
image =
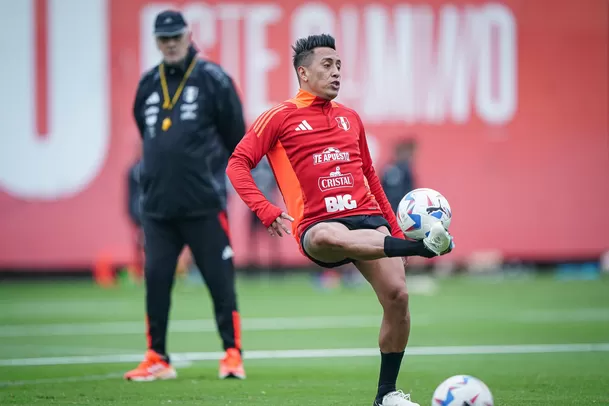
308	99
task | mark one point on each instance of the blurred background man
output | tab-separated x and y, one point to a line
265	180
190	119
398	178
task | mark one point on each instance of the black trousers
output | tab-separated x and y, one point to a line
208	240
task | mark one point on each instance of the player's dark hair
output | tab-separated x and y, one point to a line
304	47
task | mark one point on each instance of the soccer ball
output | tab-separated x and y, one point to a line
462	390
420	209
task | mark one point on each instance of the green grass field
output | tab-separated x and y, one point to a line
533	341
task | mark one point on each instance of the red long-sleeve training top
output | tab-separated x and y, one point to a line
319	155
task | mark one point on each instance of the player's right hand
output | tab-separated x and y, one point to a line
278	227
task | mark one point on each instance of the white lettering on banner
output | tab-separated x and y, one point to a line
439	76
340	203
202	20
401	63
261	59
230	14
498	108
388	86
450	75
349	51
67	159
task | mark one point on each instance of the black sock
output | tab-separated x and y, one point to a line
390	368
397	247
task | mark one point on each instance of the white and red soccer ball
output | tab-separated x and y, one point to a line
420	209
462	390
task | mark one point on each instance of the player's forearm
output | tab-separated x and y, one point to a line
239	174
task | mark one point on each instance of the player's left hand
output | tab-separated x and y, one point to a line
278	227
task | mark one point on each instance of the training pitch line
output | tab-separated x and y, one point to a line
292	323
322	353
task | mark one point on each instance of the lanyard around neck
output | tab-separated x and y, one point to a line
168	102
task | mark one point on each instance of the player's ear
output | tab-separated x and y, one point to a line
303	75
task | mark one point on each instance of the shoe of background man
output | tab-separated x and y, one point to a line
396	398
439	241
231	366
153	367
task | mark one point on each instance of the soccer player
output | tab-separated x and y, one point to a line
190	119
339	213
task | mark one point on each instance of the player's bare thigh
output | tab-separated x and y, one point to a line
386	275
326	253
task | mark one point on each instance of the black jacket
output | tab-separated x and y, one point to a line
397	180
184	164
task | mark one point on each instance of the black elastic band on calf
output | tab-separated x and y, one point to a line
397	247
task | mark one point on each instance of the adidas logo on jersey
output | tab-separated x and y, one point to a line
303	126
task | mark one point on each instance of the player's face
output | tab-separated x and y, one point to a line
323	73
174	49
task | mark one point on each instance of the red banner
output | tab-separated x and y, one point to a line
508	101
